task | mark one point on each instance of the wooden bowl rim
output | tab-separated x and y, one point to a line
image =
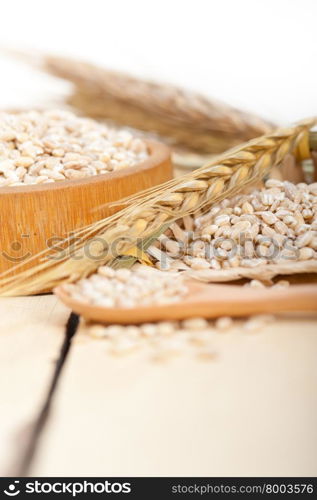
159	152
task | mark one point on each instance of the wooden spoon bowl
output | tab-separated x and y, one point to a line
36	217
206	300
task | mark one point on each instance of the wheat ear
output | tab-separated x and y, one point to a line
185	118
149	213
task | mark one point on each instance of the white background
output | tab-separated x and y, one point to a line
257	55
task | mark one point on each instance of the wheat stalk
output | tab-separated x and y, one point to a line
149	213
186	118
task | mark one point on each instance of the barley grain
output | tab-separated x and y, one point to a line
148	329
256	284
56	145
281	284
304	239
224	323
98	332
257	322
195	324
221	220
306	253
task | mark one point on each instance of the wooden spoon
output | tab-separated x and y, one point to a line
206	300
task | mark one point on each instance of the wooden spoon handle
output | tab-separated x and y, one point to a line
209	301
239	302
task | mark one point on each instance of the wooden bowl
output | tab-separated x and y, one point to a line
33	218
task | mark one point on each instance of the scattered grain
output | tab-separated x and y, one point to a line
224	323
195	324
257	322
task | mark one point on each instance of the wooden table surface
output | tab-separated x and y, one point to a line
250	411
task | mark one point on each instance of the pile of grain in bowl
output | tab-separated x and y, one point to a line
142	285
276	225
41	147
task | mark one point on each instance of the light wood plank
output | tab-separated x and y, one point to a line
252	411
31	334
